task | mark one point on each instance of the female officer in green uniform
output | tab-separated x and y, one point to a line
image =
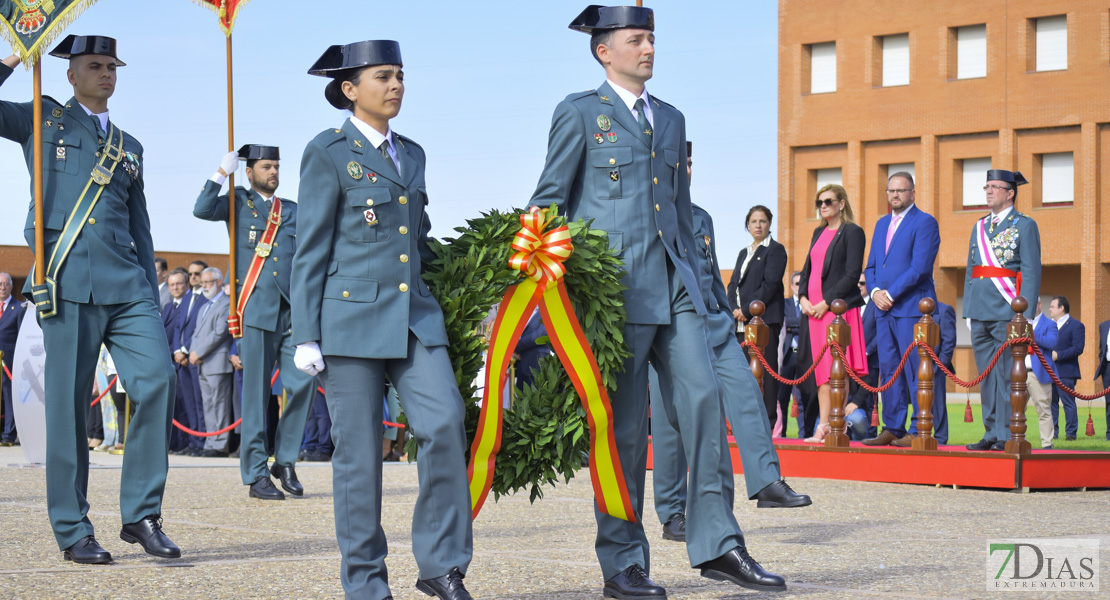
361	313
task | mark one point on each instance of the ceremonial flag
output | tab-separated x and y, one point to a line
30	25
226	10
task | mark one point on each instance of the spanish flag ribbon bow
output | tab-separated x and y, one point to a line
539	258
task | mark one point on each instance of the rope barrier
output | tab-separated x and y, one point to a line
208	433
7	372
791	382
1060	384
107	389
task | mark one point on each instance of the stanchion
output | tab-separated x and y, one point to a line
926	330
1018	327
756	333
126	423
840	335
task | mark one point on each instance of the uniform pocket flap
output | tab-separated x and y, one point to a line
54	219
364	197
123	238
351	290
671	156
612	156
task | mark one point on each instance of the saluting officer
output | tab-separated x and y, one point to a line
1003	261
266	239
101	287
361	313
617	155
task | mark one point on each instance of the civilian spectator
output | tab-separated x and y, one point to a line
1069	345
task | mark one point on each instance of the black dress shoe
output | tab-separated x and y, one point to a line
148	534
980	445
633	583
999	445
740	568
675	528
209	453
288	479
779	495
317	456
87	552
445	587
1070	438
264	489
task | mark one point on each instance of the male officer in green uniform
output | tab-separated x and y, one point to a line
104	290
742	399
265	258
361	313
617	155
1003	261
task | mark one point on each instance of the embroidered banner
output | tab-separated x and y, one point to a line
226	10
31	25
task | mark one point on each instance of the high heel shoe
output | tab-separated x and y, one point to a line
819	434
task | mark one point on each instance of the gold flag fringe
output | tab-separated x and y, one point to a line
221	12
30	56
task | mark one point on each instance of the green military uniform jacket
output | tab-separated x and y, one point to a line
1016	243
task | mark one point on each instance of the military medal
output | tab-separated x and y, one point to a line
371	218
615	175
373	177
60	154
61	127
603	123
354	170
56	113
612	135
599	138
252	238
100	175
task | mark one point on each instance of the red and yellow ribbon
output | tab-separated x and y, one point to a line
539	258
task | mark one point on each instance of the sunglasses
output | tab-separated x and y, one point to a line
826	202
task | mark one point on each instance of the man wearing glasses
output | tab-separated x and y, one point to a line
1004	261
899	273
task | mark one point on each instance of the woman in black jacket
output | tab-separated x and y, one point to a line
832	270
758	276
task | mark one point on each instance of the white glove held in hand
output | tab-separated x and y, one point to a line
308	358
230	162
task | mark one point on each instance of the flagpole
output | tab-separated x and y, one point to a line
231	199
40	262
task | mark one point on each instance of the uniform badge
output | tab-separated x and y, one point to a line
61	127
354	170
358	143
599	138
603	122
101	175
373	177
371	218
60	154
252	239
49	123
707	240
615	175
612	135
56	113
605	98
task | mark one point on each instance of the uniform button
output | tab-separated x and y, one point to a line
98	154
403	200
612	161
653	153
132	244
92	221
275	273
404	230
252	226
404	287
676	165
275	244
60	142
275	259
346	294
660	233
656	208
655	180
369	202
404	258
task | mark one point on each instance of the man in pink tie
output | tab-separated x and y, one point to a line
899	273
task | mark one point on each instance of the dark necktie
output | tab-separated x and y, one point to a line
383	149
641	117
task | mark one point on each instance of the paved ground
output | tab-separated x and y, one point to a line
858	540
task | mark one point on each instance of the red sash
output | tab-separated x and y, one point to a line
985	271
261	251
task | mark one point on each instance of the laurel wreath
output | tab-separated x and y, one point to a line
545	435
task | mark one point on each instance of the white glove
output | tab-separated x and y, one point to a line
308	358
229	163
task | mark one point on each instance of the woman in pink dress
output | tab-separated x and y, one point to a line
832	270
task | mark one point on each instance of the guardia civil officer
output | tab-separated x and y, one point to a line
1003	261
617	155
101	287
266	240
362	313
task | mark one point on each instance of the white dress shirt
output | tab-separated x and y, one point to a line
102	117
629	100
376	139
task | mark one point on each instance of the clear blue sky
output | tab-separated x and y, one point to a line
482	79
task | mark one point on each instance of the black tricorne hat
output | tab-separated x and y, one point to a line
79	45
1014	177
600	18
256	152
689	148
337	61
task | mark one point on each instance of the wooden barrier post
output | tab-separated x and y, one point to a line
756	333
1018	327
926	330
841	333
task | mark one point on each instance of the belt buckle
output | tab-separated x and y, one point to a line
100	175
263	249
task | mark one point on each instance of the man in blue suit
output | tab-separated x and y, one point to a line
616	155
861	403
1069	345
187	323
945	317
1038	381
528	351
1103	370
11	314
899	273
177	282
792	311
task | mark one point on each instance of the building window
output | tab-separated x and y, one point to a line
1057	178
893	168
896	59
822	68
1051	43
827	176
971	52
974	178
